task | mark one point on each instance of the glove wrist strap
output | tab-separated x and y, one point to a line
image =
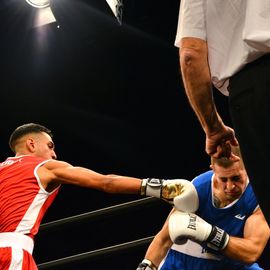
146	265
152	187
218	238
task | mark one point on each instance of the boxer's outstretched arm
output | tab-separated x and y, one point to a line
53	173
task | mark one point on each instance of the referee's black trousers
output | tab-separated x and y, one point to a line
249	105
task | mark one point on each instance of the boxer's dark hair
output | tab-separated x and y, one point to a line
22	130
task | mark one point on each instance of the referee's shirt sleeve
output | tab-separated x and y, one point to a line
191	20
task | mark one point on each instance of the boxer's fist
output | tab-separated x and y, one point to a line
184	226
188	200
179	192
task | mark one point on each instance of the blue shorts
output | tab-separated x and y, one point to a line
179	261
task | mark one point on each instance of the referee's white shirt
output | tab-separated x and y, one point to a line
237	32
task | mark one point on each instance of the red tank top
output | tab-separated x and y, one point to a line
23	200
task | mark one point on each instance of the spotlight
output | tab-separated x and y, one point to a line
38	3
44	13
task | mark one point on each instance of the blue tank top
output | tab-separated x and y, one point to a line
231	218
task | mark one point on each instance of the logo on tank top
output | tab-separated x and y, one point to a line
9	162
239	216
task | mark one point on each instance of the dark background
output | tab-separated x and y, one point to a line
113	97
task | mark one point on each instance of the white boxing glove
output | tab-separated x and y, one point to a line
184	226
188	200
179	192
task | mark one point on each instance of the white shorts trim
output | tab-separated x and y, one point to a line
17	259
196	250
16	240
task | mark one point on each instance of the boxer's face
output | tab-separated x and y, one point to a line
43	146
230	182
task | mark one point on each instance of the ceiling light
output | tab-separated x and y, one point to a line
38	3
43	13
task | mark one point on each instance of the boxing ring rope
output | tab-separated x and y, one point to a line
96	253
101	213
93	216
